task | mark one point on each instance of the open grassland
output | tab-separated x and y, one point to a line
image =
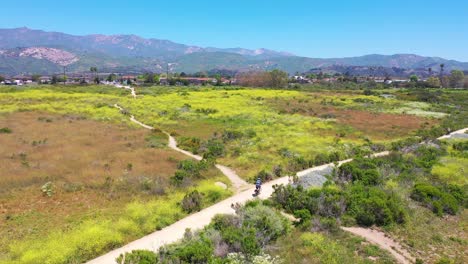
267	123
432	238
72	188
110	182
260	129
314	247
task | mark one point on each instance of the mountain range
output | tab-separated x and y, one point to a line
28	51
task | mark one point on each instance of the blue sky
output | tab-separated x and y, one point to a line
309	28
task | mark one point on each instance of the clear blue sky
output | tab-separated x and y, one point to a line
310	28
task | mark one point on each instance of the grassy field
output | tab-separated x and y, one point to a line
109	184
274	121
110	181
312	247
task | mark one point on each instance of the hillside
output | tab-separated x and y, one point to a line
24	50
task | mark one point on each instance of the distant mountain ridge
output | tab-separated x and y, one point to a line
24	50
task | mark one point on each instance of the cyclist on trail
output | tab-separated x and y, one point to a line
258	184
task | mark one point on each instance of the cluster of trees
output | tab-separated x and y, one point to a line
274	78
456	79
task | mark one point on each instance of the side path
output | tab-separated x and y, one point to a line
237	182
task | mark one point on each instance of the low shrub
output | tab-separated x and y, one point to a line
138	257
213	149
192	202
5	130
435	198
361	170
372	206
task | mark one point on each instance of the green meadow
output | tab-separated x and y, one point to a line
263	132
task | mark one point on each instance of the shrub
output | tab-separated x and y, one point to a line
229	135
435	198
195	251
138	257
192	202
372	206
189	169
460	146
361	170
213	148
191	144
206	111
5	130
303	215
48	189
264	176
427	156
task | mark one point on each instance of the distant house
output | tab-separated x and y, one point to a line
301	79
190	80
44	79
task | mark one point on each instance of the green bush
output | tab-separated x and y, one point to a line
372	206
460	146
192	202
189	169
213	148
138	257
435	198
5	130
191	144
229	135
359	170
199	250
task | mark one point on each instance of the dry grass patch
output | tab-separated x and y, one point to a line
94	169
374	125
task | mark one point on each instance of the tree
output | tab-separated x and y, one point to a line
430	71
95	71
112	77
218	79
278	78
456	78
54	79
35	77
413	78
2	78
433	82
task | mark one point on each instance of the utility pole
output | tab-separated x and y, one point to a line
64	78
167	72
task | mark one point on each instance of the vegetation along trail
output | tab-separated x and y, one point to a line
237	182
202	218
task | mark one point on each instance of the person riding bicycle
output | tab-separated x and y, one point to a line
258	184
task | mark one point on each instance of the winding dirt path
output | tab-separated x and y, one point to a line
384	242
237	182
175	232
132	90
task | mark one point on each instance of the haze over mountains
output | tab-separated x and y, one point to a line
28	51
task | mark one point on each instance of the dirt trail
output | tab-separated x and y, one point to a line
200	219
132	90
237	182
455	133
383	241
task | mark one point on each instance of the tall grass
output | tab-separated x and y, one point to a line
96	236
